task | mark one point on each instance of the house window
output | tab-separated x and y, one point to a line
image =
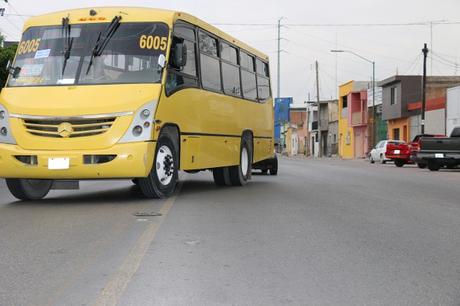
394	94
344	102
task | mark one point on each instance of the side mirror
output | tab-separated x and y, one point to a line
14	71
179	55
161	61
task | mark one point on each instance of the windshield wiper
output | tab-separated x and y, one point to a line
68	41
103	40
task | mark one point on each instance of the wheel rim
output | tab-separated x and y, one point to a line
165	165
244	161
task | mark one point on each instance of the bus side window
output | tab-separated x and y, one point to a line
186	76
263	81
209	62
230	70
248	76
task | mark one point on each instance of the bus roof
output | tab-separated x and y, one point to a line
134	14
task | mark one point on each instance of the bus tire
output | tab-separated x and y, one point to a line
164	176
274	166
221	176
241	174
29	190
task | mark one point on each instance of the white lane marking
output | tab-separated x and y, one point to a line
117	284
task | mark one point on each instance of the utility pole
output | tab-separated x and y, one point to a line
425	54
278	93
320	150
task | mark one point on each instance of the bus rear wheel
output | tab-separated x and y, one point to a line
29	190
162	179
241	174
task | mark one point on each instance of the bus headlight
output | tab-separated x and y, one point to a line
141	128
5	130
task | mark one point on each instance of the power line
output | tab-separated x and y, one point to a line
408	24
18	15
14	10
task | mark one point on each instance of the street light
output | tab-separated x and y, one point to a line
373	88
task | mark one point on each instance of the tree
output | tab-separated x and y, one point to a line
6	54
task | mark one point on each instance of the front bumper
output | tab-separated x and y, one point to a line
132	160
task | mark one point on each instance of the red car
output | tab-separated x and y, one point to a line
404	153
399	153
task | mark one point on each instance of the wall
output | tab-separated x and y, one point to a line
333	138
399	124
324	113
435	122
378	96
346	149
453	109
409	89
415	125
298	118
391	111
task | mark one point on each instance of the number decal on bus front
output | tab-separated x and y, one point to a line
153	42
29	46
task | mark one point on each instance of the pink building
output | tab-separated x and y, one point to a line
358	119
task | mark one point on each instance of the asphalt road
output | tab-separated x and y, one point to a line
323	232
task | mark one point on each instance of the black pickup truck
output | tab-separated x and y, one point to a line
441	152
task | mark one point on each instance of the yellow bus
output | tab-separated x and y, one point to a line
132	93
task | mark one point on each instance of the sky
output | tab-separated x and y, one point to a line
310	29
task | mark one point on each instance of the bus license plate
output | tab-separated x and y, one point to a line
397	151
58	163
439	155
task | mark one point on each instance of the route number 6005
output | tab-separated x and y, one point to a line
153	42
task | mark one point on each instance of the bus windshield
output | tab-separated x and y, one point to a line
131	55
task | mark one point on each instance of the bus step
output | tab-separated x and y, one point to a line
66	185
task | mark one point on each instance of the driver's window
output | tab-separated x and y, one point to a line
185	76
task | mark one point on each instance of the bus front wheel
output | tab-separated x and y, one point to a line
162	179
241	174
29	190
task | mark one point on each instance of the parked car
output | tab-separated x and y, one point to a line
415	147
399	153
405	153
378	153
441	152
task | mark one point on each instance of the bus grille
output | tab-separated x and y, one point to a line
68	129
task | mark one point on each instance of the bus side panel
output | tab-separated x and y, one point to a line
207	121
204	152
216	122
263	149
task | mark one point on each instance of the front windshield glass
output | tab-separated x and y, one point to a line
131	56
